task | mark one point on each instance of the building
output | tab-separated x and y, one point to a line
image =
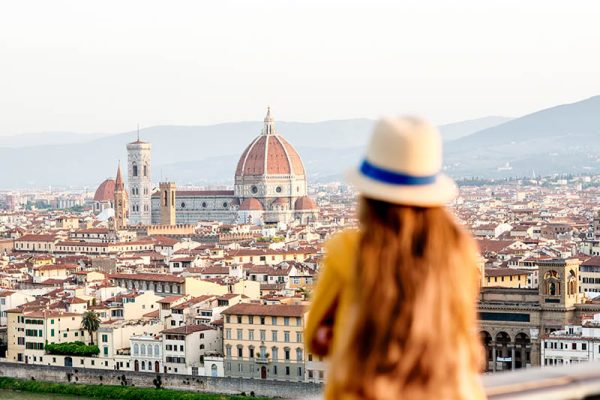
514	320
264	341
120	202
573	344
270	187
139	168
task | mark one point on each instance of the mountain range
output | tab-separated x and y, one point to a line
561	139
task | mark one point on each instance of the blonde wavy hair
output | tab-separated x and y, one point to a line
412	329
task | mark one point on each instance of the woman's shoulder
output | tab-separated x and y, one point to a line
340	249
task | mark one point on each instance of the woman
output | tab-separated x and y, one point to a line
394	307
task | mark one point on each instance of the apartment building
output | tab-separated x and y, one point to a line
264	341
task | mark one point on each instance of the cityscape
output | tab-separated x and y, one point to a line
299	200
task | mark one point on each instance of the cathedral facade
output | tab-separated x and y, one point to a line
269	187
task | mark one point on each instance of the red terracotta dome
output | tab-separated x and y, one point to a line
305	203
269	154
106	191
251	204
281	201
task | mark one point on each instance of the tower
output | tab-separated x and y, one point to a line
120	201
139	164
559	282
167	203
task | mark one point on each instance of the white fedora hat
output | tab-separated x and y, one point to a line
403	165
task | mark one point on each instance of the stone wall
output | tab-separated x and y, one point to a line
286	390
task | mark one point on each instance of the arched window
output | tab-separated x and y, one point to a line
201	347
165	197
136	349
275	353
145	170
156	351
143	364
134	169
149	350
299	354
143	352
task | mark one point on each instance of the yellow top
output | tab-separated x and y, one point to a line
335	284
335	281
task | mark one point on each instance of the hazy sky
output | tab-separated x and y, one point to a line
105	66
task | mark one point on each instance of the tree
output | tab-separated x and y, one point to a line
90	322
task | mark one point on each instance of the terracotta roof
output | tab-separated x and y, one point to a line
505	272
274	310
269	155
106	191
149	277
305	203
187	329
250	204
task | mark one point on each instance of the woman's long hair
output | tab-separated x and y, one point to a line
412	330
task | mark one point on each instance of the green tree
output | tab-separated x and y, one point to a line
90	322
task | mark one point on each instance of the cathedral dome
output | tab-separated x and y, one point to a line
251	204
269	154
106	191
305	203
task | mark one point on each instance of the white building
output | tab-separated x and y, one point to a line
574	344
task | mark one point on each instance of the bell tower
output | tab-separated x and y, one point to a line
139	171
120	201
559	283
167	203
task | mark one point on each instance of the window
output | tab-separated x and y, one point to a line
239	319
251	352
286	321
274	320
228	333
250	319
227	319
251	334
240	352
262	320
145	170
105	338
263	335
298	321
287	354
274	336
583	346
287	370
135	170
105	351
136	349
286	336
275	353
299	337
239	334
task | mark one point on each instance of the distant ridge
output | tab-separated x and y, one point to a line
560	139
190	154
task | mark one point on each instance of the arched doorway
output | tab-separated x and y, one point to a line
68	362
503	353
486	340
156	367
263	372
213	370
522	350
136	365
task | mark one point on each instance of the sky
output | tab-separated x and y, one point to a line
106	66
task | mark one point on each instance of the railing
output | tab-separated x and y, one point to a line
566	382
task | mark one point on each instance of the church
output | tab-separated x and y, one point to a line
269	187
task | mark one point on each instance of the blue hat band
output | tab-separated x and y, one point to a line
394	178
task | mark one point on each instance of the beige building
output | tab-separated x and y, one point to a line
514	320
28	332
264	341
506	277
